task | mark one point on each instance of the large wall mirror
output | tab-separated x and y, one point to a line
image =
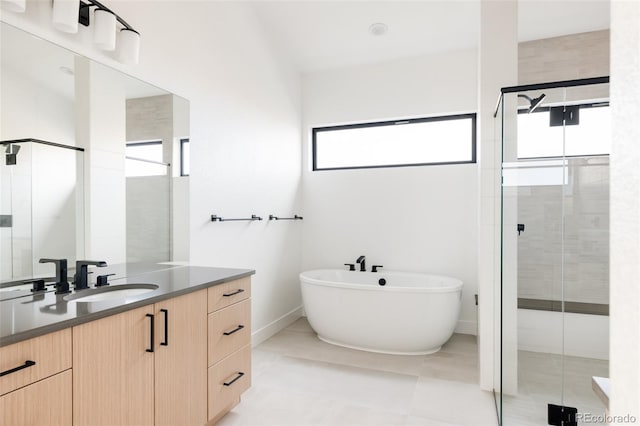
94	162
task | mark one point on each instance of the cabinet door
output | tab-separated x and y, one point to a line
43	403
181	364
112	370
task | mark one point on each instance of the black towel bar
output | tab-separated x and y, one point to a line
295	217
215	218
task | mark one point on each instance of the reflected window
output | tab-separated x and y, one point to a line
591	136
415	142
144	159
185	157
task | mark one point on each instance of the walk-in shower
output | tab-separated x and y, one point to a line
555	140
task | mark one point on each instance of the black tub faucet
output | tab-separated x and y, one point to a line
62	282
360	260
82	273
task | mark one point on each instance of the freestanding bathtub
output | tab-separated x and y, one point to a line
411	314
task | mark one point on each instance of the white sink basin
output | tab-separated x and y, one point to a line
113	292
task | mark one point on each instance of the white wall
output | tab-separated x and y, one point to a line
408	218
625	209
245	132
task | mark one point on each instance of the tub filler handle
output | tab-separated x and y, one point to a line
352	266
374	268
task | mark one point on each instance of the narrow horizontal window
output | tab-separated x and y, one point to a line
144	159
415	142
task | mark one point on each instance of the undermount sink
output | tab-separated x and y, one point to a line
112	292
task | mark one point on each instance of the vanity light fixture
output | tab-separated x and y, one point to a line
104	29
65	15
14	5
68	13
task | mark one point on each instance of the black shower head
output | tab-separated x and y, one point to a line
533	103
11	154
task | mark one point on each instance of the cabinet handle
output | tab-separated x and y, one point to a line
229	333
238	291
240	374
152	332
166	328
26	364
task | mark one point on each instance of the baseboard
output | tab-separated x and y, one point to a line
273	327
467	327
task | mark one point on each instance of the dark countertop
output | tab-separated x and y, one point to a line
34	315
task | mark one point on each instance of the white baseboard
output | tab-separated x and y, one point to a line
467	327
273	327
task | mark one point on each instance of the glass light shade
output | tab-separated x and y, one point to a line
128	46
65	15
104	29
14	5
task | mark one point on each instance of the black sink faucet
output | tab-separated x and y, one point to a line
360	260
62	282
81	277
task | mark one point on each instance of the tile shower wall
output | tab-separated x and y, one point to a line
584	266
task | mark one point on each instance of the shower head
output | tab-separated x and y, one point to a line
11	154
533	102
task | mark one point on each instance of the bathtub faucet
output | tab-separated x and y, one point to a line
360	260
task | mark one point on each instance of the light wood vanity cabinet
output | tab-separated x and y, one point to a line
33	372
124	376
182	361
229	359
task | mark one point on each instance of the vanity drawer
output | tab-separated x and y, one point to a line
229	330
34	359
227	380
226	294
47	402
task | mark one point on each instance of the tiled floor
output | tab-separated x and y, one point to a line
540	382
300	380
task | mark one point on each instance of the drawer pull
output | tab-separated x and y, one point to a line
240	374
166	327
229	333
152	331
26	364
238	291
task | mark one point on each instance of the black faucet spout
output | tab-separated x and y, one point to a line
82	273
62	282
363	267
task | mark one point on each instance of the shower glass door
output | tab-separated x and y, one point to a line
554	246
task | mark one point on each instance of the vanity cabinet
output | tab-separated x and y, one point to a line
181	361
229	359
144	366
31	372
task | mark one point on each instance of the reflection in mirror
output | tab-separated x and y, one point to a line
41	205
122	211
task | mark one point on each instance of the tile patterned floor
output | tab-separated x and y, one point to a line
300	380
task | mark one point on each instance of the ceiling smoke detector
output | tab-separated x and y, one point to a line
378	29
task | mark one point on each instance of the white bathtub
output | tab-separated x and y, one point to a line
413	314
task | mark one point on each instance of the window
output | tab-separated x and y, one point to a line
591	136
144	159
185	157
416	142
